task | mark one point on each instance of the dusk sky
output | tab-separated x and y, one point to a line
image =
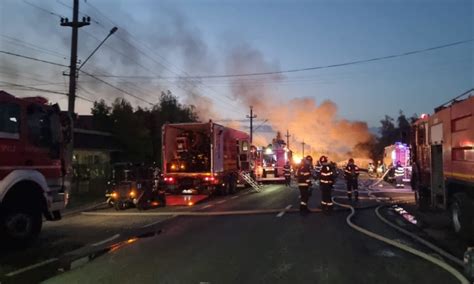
204	38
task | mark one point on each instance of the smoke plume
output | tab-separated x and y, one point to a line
315	123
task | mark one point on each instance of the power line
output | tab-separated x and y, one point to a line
32	58
35	47
70	7
42	9
82	71
355	62
116	88
31	88
99	13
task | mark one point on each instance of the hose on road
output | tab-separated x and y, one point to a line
401	246
417	238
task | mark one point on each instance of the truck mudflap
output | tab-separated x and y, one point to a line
58	201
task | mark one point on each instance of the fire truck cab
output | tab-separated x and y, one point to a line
443	161
32	168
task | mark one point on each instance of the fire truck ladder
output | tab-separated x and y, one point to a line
251	181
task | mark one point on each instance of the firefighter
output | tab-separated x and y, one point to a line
326	182
287	173
399	174
351	174
380	169
309	160
304	175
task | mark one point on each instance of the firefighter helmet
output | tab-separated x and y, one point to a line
351	161
323	159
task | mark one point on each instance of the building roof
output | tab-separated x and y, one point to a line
86	137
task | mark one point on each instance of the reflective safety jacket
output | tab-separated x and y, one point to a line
326	175
287	170
351	172
304	176
399	171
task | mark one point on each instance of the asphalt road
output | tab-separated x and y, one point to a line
265	245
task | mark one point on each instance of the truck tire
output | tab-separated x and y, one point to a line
422	198
462	218
20	226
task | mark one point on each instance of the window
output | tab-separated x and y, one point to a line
463	154
39	129
9	121
461	123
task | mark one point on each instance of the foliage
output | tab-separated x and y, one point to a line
138	131
389	134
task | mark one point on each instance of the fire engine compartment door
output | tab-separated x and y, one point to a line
437	134
438	192
218	148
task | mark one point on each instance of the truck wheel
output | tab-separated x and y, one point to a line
462	216
422	198
21	225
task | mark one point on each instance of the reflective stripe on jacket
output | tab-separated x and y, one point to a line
327	175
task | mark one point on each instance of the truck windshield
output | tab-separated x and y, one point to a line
9	121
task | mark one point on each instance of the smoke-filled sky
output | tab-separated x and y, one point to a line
160	43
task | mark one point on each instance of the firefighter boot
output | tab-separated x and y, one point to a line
356	195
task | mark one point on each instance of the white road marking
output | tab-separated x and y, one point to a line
184	213
159	221
33	266
207	206
284	211
234	197
106	240
222	201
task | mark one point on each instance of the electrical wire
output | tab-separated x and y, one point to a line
82	71
161	57
35	47
116	88
32	58
30	88
355	62
42	9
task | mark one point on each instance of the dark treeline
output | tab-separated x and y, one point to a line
138	131
391	130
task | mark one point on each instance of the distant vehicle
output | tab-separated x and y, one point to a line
135	185
203	158
398	152
33	138
270	162
443	156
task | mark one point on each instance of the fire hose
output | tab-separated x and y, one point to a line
401	246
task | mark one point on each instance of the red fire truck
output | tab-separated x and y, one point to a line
203	158
270	161
32	168
443	161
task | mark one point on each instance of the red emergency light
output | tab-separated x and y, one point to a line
169	179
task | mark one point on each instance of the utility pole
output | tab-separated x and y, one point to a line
251	116
287	139
302	143
75	25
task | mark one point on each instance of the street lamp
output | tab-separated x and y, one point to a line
112	31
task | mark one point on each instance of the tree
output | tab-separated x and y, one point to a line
101	116
389	134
